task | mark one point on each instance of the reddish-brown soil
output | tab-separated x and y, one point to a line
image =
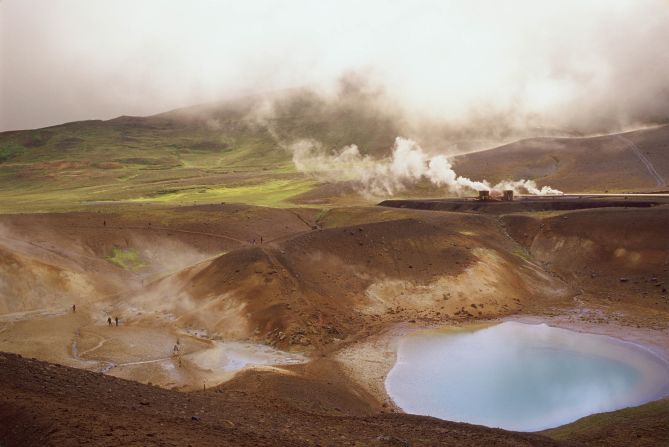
318	284
598	164
617	259
63	258
49	405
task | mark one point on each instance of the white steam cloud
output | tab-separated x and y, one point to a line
407	165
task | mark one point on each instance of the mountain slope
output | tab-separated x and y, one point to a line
319	287
637	160
232	151
236	151
44	404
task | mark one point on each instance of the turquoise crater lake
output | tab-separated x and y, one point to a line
521	377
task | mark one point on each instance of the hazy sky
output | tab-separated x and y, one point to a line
594	64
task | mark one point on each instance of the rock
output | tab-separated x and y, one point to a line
624	279
195	418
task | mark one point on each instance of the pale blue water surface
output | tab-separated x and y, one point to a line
520	376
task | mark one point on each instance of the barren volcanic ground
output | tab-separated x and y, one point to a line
630	161
259	306
316	298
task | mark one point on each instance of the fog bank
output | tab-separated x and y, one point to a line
525	66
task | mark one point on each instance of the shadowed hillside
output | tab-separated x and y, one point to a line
636	160
44	404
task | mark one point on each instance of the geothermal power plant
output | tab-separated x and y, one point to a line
508	202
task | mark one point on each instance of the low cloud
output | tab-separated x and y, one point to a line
478	69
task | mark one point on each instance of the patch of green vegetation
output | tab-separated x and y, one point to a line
468	233
9	151
522	254
273	192
541	214
222	156
322	214
127	259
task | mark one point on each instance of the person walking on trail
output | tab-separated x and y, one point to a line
74	308
109	321
116	318
176	353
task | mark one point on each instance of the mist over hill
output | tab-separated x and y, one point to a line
244	150
212	152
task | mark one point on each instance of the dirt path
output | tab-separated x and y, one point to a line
13	242
169	230
646	162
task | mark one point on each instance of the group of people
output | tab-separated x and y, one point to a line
109	321
176	351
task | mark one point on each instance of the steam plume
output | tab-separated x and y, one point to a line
407	165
